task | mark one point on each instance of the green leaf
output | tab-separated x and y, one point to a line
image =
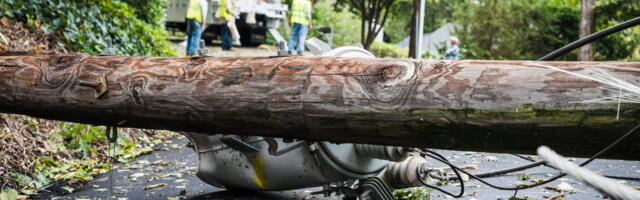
68	188
9	195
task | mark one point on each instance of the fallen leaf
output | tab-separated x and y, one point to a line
491	158
564	186
183	192
464	177
73	180
177	175
67	188
101	190
4	21
537	180
175	146
143	162
3	39
160	162
154	186
472	167
136	175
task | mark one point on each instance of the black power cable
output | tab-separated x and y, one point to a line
590	38
441	158
499	172
437	188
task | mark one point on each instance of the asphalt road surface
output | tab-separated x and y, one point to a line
169	174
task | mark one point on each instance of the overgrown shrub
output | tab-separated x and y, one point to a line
386	50
134	26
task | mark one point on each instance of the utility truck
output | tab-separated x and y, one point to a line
254	18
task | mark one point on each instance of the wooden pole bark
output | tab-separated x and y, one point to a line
493	106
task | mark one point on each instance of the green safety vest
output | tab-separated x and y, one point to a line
222	10
299	11
194	11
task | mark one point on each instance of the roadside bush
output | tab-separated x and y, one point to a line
134	26
386	50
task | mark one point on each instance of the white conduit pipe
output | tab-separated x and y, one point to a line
605	185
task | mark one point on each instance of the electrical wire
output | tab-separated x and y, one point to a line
441	158
590	38
523	157
498	172
438	188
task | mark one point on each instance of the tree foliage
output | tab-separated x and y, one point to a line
373	14
343	23
135	26
530	29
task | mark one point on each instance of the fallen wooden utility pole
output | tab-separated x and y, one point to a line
493	106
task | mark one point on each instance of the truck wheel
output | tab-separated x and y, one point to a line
252	36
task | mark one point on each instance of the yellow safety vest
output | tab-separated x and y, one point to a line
299	11
222	10
194	11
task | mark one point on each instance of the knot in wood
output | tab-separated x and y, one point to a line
390	72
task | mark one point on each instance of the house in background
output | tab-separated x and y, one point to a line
434	40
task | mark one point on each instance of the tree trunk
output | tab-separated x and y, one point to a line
587	25
493	106
413	37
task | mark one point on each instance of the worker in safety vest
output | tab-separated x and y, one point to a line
196	18
228	31
301	20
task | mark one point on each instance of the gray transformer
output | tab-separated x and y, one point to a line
308	165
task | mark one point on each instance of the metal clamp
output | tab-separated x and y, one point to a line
202	51
273	146
112	134
282	49
99	86
238	144
109	51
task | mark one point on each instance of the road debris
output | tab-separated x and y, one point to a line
148	187
558	196
564	186
491	158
